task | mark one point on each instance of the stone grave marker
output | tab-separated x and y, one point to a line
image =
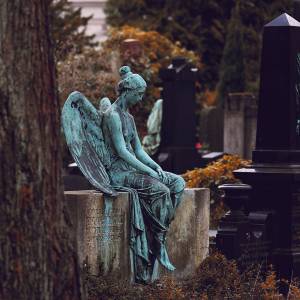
240	117
177	152
101	229
274	204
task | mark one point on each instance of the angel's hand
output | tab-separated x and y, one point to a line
154	174
161	173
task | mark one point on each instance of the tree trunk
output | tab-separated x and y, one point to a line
37	257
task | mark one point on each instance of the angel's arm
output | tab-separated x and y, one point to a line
115	128
142	155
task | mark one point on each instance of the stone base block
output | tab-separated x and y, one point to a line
101	229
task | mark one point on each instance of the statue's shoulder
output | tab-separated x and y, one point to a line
109	112
105	107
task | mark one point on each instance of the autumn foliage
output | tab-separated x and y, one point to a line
216	173
216	278
95	72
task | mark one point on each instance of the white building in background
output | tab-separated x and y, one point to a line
97	24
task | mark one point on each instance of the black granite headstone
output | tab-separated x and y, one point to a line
275	173
278	136
234	227
177	151
243	236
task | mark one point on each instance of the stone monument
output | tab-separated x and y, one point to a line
106	147
275	173
240	118
177	152
102	229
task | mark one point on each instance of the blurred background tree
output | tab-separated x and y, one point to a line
157	52
68	29
201	26
197	25
232	77
95	72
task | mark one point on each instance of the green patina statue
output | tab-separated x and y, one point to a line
107	149
151	141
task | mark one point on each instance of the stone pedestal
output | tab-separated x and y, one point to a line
233	229
243	236
188	238
277	189
275	173
101	228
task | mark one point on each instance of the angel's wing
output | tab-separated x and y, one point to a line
82	127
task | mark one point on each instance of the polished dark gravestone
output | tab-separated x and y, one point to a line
243	236
234	226
278	138
275	173
177	152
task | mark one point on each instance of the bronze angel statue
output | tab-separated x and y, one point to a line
106	147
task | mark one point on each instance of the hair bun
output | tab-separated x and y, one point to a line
125	71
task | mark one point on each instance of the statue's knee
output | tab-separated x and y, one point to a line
180	184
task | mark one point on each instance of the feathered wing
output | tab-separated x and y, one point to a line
82	127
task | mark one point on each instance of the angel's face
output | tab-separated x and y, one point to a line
135	96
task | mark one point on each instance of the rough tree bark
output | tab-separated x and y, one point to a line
37	258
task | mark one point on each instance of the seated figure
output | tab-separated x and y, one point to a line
106	147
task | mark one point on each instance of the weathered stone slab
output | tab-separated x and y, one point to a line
240	116
101	228
188	237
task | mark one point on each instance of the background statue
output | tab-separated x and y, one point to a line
152	140
106	146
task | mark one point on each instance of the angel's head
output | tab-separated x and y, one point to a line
131	86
